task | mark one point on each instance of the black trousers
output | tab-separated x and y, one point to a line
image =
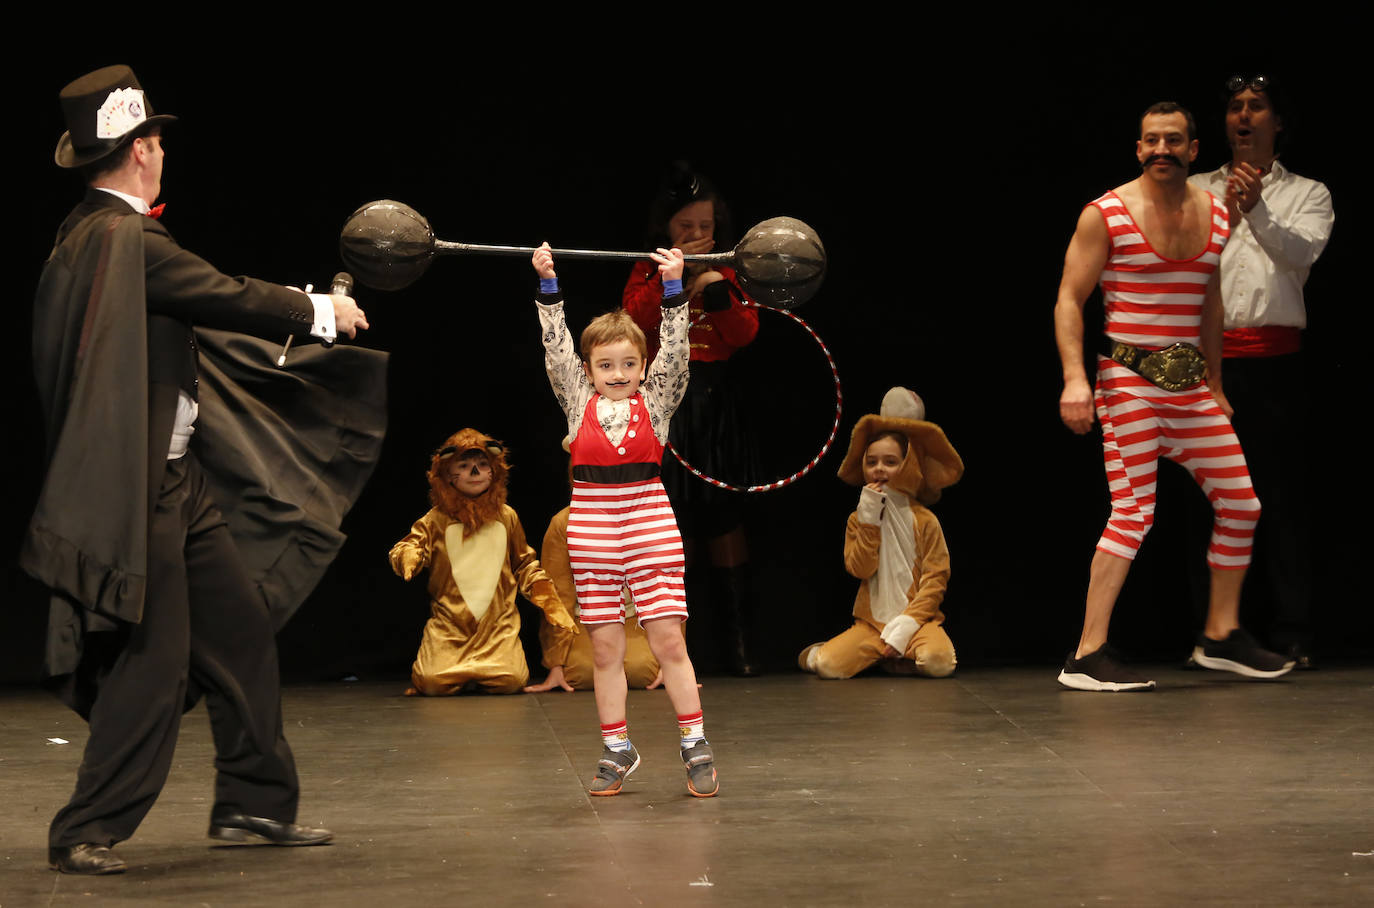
1271	403
205	631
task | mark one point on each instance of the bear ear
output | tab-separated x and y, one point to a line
909	479
938	475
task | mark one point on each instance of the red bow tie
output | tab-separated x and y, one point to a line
156	211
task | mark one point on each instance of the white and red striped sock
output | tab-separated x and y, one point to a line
616	736
693	729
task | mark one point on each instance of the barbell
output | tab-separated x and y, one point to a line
388	245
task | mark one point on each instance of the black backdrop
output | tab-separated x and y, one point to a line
943	172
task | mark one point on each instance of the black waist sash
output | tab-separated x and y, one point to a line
619	474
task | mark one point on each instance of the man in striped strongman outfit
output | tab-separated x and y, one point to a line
1154	244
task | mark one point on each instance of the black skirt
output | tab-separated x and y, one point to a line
710	432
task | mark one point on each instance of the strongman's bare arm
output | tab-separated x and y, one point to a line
1083	264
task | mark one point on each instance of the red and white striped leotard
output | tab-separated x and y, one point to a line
1152	302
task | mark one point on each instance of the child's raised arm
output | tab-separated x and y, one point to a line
561	361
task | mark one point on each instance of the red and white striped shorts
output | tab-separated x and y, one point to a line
1140	424
625	534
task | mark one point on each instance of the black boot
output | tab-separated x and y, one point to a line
734	599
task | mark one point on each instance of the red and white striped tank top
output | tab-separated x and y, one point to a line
1151	301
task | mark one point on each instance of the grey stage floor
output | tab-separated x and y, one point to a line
993	787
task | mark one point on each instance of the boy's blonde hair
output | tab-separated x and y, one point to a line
609	327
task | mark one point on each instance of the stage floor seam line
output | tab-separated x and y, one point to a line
590	801
1035	739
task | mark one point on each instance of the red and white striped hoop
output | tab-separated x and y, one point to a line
834	428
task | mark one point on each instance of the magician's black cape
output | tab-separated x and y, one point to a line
285	452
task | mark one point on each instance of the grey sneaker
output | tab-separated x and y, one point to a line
701	773
1240	653
611	771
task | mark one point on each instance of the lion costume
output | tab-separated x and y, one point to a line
478	559
894	544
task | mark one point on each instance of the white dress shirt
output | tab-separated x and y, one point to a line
1270	252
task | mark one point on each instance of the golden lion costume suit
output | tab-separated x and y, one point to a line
478	558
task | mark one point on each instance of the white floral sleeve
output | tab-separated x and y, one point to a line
667	379
564	366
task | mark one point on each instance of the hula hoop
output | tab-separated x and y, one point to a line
834	428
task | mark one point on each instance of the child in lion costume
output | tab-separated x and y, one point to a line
474	547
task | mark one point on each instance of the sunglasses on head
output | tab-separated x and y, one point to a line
1254	83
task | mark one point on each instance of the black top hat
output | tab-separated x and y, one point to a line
103	110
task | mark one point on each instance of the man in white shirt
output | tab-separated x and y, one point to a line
1280	223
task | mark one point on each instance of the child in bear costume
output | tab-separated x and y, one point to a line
894	544
474	547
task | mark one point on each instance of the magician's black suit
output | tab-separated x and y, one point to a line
152	605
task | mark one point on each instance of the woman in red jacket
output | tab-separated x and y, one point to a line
708	428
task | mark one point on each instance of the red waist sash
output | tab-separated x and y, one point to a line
1266	340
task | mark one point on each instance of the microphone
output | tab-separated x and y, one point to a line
341	285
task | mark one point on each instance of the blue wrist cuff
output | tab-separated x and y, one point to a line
548	285
672	287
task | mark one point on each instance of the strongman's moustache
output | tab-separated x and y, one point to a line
1172	159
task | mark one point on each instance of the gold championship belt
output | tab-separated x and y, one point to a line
1177	367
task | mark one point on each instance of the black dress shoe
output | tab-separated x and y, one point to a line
237	827
85	858
1302	657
